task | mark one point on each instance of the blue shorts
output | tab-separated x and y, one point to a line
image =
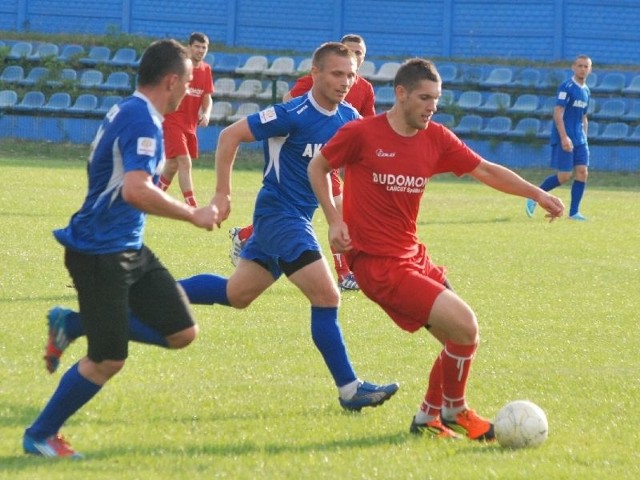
566	161
279	237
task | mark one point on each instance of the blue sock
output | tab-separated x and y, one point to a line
577	190
206	289
550	183
141	333
327	336
72	393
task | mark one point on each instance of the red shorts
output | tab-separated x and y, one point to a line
179	143
336	183
405	288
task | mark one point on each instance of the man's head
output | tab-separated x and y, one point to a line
418	87
165	71
333	68
581	68
198	47
356	44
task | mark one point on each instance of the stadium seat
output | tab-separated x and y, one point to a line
472	75
634	86
633	115
496	102
35	75
85	103
635	135
43	51
547	105
20	50
8	99
468	124
281	66
31	102
526	127
304	66
226	63
249	88
447	97
594	130
224	87
91	79
385	96
220	111
613	108
545	129
282	87
210	58
243	110
525	103
497	126
66	76
445	119
448	73
106	103
386	72
58	102
97	55
117	81
613	132
611	83
498	77
367	69
592	80
527	78
124	57
12	74
592	106
469	100
551	79
254	65
70	52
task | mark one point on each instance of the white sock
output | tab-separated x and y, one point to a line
349	390
449	413
422	417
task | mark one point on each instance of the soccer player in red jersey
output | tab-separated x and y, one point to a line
388	160
180	139
361	96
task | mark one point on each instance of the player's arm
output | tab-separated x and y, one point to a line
228	143
138	190
558	113
507	181
585	124
205	110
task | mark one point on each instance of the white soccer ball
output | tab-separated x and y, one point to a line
521	424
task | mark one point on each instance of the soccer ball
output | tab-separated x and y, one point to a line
521	424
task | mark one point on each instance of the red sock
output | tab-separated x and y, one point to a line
245	233
456	363
190	198
340	264
163	183
432	403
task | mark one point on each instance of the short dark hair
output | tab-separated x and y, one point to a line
414	71
198	37
352	37
328	48
159	59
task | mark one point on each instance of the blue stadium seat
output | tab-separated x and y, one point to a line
592	80
611	83
20	50
525	103
35	75
281	66
67	76
528	126
220	111
226	63
8	99
633	115
224	87
106	103
613	108
386	72
497	126
97	55
498	77
85	103
551	79
468	124
58	102
118	81
545	129
124	57
634	86
367	69
71	51
243	110
445	119
12	74
614	131
447	97
594	130
496	101
448	73
547	105
43	51
385	95
469	100
249	88
527	78
31	102
472	75
91	79
635	136
254	65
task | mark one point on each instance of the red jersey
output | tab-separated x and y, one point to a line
385	175
186	116
360	96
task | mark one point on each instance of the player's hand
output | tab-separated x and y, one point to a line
206	217
553	206
567	144
222	203
203	121
339	238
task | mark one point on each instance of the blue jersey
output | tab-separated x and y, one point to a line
575	101
293	133
129	139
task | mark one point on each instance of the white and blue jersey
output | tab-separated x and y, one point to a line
575	101
129	139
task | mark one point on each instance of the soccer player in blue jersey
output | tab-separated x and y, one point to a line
112	270
569	145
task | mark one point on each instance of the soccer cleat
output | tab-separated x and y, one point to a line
53	446
578	217
348	282
369	395
58	340
236	245
471	425
530	207
434	429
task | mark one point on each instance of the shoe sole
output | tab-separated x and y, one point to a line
373	405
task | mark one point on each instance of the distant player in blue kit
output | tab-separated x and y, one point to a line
113	271
569	145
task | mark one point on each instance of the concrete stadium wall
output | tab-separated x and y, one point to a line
517	29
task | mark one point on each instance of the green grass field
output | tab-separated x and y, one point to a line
557	305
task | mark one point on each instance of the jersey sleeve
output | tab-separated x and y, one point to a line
141	147
343	147
302	86
273	121
563	96
455	157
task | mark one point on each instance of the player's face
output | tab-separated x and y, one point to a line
333	79
419	105
359	49
179	86
581	69
198	50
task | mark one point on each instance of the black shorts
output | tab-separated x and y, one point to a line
112	284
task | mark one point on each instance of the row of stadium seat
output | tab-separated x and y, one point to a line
122	57
89	78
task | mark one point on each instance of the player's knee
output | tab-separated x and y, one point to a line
183	338
564	177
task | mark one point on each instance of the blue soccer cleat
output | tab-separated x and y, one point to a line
53	446
578	217
530	207
369	395
348	282
58	339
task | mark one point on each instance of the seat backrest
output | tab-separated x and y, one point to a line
498	101
254	64
527	77
497	125
469	99
367	69
528	126
59	100
448	72
469	123
527	102
8	98
283	65
20	50
305	65
224	86
85	102
45	50
615	131
499	76
32	99
37	73
91	78
71	50
226	63
12	74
